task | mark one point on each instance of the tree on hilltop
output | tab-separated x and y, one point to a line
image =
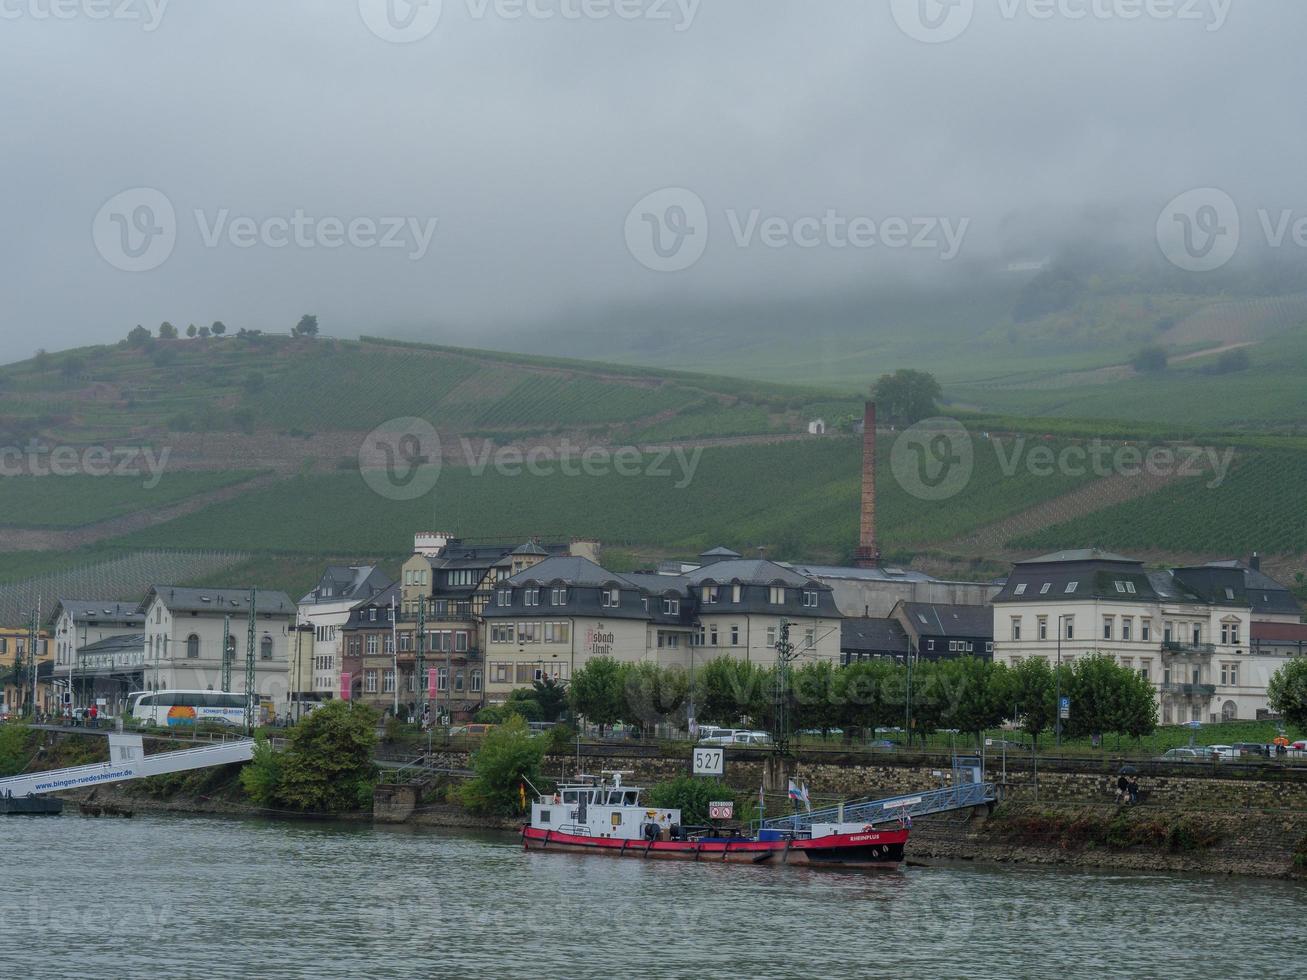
907	396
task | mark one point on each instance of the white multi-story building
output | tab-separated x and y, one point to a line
1187	630
184	631
316	650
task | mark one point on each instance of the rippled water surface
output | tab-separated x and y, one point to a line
205	897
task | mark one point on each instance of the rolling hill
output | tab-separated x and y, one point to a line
263	480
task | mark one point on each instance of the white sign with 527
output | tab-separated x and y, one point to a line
708	762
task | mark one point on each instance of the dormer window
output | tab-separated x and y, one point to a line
777	595
709	594
505	597
671	607
612	598
531	597
1020	589
558	597
810	599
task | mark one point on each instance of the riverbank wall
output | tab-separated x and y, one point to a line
1236	820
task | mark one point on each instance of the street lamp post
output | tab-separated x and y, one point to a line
1057	678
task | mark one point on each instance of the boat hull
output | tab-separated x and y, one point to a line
866	849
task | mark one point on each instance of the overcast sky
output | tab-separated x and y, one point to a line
528	140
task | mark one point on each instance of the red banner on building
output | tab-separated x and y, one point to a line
431	682
344	686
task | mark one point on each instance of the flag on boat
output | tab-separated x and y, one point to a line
799	794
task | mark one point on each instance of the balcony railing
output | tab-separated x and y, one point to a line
1189	690
1176	646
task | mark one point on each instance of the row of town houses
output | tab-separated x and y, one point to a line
499	616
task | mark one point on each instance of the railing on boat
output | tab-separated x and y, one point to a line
955	797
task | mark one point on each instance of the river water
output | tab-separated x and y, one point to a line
180	897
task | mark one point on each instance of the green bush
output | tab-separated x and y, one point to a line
691	795
326	768
508	760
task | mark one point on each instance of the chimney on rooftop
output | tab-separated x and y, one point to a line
868	553
1255	563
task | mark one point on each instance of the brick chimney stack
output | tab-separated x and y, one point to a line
868	553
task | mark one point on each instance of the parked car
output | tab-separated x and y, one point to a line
751	738
1223	752
710	735
1298	746
1251	749
1002	744
1181	754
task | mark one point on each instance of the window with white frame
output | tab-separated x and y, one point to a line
709	595
1016	627
558	597
810	599
531	597
671	607
777	595
505	597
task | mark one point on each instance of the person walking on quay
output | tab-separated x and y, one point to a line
1122	788
1134	789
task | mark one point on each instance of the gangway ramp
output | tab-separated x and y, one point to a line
957	797
127	760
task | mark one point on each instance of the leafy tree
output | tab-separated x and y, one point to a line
654	695
1150	360
1137	711
261	776
307	327
219	328
907	396
728	690
817	696
1287	692
1033	695
327	765
508	760
192	330
167	331
976	693
597	692
42	359
204	332
522	703
1231	361
872	694
15	748
139	337
691	795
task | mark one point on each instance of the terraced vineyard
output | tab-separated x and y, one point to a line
798	499
1259	507
75	501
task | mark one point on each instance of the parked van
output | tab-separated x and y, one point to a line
711	735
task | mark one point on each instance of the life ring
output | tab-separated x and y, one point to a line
869	828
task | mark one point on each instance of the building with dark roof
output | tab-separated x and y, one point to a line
552	617
186	628
938	631
1187	629
871	638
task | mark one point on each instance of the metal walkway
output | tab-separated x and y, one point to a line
127	760
956	797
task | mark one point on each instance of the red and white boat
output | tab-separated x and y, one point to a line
592	816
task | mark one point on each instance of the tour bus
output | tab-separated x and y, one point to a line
171	709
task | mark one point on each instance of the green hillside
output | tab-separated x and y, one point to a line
263	434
